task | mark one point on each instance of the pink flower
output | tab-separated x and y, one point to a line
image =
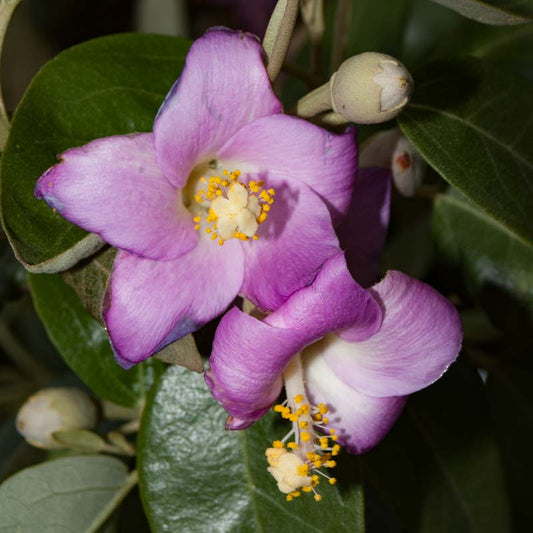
363	351
227	196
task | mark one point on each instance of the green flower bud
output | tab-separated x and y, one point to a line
54	409
370	88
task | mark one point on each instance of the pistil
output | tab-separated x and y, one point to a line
234	209
295	464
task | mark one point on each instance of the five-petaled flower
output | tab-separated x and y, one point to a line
362	351
227	196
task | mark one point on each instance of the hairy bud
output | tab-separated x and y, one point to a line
408	167
54	409
370	88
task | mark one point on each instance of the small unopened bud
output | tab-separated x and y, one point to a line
54	409
370	88
408	167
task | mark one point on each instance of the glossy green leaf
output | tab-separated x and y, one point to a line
84	345
494	263
498	12
471	122
195	476
112	85
440	468
70	494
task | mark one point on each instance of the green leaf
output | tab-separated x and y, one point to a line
511	399
471	122
409	245
440	467
376	29
498	12
363	28
507	47
111	85
493	262
82	440
510	47
429	27
195	476
89	279
70	494
84	345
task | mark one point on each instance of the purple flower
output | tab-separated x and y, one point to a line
362	351
227	196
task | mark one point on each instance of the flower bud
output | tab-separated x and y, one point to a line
54	409
370	88
408	167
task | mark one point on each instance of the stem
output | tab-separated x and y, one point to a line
278	35
340	32
315	102
130	427
331	119
131	481
6	11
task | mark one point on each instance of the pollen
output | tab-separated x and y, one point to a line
298	465
237	207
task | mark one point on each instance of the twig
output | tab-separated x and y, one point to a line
278	35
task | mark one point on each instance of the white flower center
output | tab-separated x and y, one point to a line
233	209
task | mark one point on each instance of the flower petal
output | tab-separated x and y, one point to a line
360	421
294	149
419	338
293	243
223	87
113	187
363	230
246	363
153	303
250	355
333	301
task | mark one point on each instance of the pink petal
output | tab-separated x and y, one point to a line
246	363
153	303
223	87
363	230
419	338
293	243
293	149
250	355
360	421
332	302
113	187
